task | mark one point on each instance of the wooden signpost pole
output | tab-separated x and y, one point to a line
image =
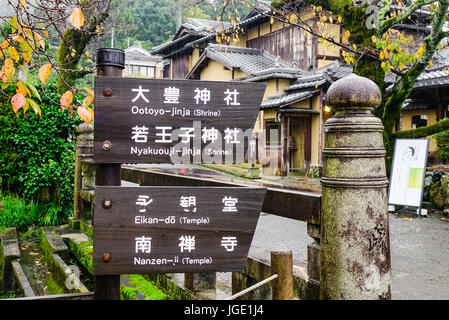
110	62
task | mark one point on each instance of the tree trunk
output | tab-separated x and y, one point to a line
71	48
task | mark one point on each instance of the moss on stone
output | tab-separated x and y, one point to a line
52	286
2	265
83	252
140	285
171	289
127	293
46	248
87	229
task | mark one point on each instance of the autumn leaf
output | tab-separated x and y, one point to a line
4	45
26	51
7	70
66	99
21	88
32	88
91	113
39	39
18	101
84	114
77	18
13	23
87	101
44	73
35	106
89	91
13	53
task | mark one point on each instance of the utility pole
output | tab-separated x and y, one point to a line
112	38
179	14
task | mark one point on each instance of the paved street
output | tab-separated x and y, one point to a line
419	252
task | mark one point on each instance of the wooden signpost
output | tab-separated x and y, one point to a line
169	229
173	229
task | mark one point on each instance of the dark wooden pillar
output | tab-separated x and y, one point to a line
110	62
284	145
440	106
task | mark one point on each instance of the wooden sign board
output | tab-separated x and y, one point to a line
173	121
141	230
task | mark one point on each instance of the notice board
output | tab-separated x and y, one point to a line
408	172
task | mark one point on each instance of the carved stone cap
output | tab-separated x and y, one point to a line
353	92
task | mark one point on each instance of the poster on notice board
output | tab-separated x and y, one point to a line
408	172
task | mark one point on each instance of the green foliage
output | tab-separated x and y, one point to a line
10	294
442	150
19	213
149	22
38	153
154	22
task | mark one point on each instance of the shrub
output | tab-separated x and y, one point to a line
442	150
38	152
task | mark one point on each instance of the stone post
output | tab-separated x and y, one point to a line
84	172
355	244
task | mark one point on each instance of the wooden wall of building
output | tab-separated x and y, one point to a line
180	66
290	44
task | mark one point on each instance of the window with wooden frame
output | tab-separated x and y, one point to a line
419	121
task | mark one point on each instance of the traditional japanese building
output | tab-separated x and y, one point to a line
141	63
297	69
276	53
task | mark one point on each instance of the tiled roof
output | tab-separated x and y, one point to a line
199	28
299	110
307	81
337	71
245	22
160	49
432	78
413	104
287	98
259	6
137	50
194	29
203	26
435	77
257	64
